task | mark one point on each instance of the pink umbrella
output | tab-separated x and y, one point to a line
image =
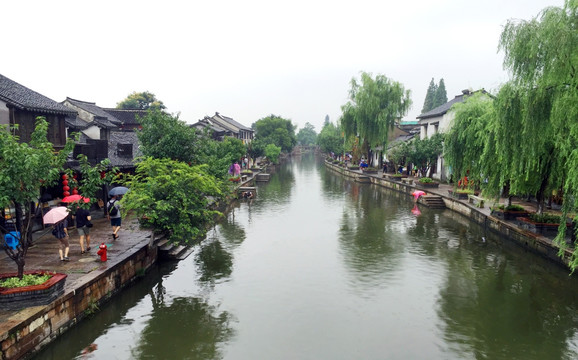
416	194
75	198
55	215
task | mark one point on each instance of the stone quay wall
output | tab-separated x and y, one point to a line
526	239
42	324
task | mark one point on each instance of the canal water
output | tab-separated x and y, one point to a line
320	267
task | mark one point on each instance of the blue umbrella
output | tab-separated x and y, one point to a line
119	190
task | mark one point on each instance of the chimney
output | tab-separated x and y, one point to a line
466	92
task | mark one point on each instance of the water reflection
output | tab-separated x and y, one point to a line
321	267
184	328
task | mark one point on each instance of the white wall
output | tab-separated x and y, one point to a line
4	114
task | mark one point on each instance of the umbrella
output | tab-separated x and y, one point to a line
75	198
119	190
416	194
55	215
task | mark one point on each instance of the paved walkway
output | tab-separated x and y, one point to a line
44	254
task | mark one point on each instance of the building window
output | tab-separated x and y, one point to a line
124	150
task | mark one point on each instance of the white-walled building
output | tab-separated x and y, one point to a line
439	120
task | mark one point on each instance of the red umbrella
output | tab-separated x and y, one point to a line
55	215
75	198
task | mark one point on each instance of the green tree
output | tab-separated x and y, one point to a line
467	144
92	178
428	103
24	169
172	197
374	106
541	54
330	139
440	97
219	155
256	148
276	130
165	136
424	153
307	135
141	101
272	152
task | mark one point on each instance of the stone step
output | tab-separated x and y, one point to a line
184	254
175	251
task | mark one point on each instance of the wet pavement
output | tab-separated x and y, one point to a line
81	267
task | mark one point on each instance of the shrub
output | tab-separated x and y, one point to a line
545	218
27	280
512	207
426	180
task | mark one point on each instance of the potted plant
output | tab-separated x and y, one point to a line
370	170
541	223
462	194
510	212
353	167
428	182
34	289
396	177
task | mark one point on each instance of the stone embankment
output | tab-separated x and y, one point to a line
482	215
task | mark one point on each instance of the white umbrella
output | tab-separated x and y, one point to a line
55	215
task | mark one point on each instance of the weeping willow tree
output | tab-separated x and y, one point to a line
542	56
374	105
467	143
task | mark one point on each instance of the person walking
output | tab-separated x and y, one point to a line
113	214
82	226
60	232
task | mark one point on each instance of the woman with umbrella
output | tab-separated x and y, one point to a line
57	216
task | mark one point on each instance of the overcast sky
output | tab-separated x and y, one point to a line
249	59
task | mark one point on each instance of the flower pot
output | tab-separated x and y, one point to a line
458	195
34	295
508	215
540	228
428	185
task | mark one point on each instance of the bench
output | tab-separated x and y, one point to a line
407	181
476	200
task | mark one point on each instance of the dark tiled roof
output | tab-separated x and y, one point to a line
207	121
232	122
92	108
104	122
23	98
126	116
76	123
442	109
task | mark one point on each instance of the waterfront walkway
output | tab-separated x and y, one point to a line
82	267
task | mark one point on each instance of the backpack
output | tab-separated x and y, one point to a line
58	231
112	210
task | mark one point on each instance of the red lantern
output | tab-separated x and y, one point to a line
74	191
64	182
65	193
64	176
66	188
